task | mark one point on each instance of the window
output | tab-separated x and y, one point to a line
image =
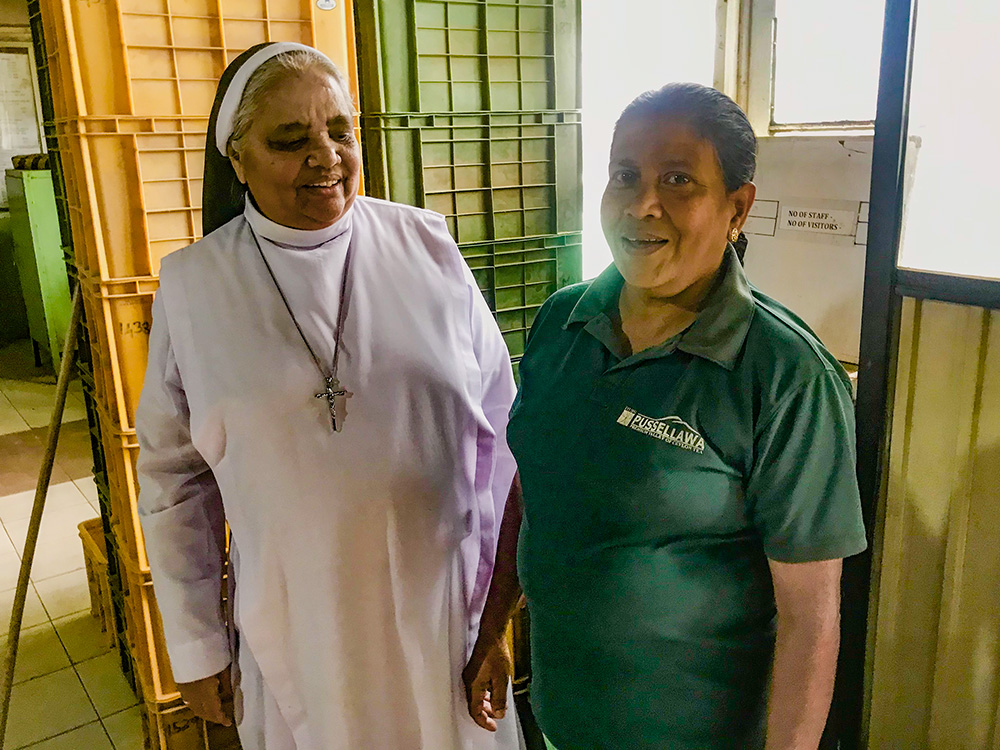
628	48
814	64
953	155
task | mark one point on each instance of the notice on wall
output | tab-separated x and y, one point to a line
817	220
18	115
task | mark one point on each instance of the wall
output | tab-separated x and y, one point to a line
936	676
13	320
622	56
819	276
13	316
13	12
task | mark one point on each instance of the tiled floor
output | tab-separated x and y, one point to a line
69	692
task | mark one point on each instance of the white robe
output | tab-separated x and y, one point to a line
364	556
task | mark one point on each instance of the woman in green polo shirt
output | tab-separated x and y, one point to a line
685	448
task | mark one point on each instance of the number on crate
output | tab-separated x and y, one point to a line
135	328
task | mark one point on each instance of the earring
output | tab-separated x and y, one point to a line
734	235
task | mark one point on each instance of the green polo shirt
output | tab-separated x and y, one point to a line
656	486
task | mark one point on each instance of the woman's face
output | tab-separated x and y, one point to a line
666	212
300	158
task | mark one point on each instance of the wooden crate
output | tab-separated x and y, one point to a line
172	726
95	557
144	630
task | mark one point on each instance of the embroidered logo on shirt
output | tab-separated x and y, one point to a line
673	430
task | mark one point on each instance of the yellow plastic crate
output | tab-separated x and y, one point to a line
133	190
172	726
121	449
164	57
131	109
144	630
95	557
119	319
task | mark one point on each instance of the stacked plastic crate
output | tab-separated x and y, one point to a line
130	88
472	109
113	614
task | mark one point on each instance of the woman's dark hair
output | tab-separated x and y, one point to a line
713	116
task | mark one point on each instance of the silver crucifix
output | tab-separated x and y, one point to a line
335	395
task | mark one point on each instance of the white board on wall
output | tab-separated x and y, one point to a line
808	230
20	131
14	13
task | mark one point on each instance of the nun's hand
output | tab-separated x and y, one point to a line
205	697
486	677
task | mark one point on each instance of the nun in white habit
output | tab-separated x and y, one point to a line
324	375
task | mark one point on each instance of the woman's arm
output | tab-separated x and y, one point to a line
803	492
488	669
805	657
180	508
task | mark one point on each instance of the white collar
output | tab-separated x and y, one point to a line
305	239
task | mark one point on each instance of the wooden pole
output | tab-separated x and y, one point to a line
41	490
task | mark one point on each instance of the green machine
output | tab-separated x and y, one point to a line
38	254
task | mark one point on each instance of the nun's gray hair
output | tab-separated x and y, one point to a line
269	75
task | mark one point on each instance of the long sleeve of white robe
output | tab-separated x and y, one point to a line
182	515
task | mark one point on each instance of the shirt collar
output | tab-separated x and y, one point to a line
717	334
304	239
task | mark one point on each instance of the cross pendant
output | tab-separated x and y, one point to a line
333	394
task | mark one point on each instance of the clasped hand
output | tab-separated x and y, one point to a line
210	698
485	678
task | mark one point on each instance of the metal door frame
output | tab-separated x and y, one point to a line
885	286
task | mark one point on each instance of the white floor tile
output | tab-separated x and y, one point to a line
56	556
46	707
10	564
10	419
74	412
57	523
35	401
87	487
7	546
34	613
81	636
75	390
125	728
17	507
106	685
65	594
39	652
88	737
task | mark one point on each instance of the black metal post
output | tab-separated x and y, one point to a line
879	333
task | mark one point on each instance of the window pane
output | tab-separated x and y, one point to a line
628	48
826	60
953	157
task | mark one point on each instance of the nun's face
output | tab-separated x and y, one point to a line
300	158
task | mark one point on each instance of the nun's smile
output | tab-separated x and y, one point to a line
301	160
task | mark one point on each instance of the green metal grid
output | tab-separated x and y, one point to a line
516	277
493	176
471	108
473	56
115	583
468	55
